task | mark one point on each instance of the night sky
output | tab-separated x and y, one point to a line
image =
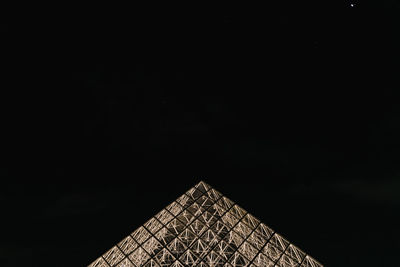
291	109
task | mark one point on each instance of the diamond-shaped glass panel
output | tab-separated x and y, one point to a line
141	235
164	236
176	247
139	256
187	237
113	256
200	248
210	238
127	245
189	258
153	225
174	208
164	257
152	246
271	251
197	227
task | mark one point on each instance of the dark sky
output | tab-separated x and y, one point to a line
291	109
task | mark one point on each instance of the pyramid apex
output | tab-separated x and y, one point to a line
202	186
201	182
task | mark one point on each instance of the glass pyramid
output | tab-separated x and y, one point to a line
206	229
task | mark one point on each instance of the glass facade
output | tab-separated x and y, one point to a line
204	228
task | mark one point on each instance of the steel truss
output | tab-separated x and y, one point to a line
206	229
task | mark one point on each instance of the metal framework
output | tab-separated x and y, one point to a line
206	229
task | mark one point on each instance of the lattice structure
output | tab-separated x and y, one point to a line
206	229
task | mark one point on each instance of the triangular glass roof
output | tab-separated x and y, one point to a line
206	229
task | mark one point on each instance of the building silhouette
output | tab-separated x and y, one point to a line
206	229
